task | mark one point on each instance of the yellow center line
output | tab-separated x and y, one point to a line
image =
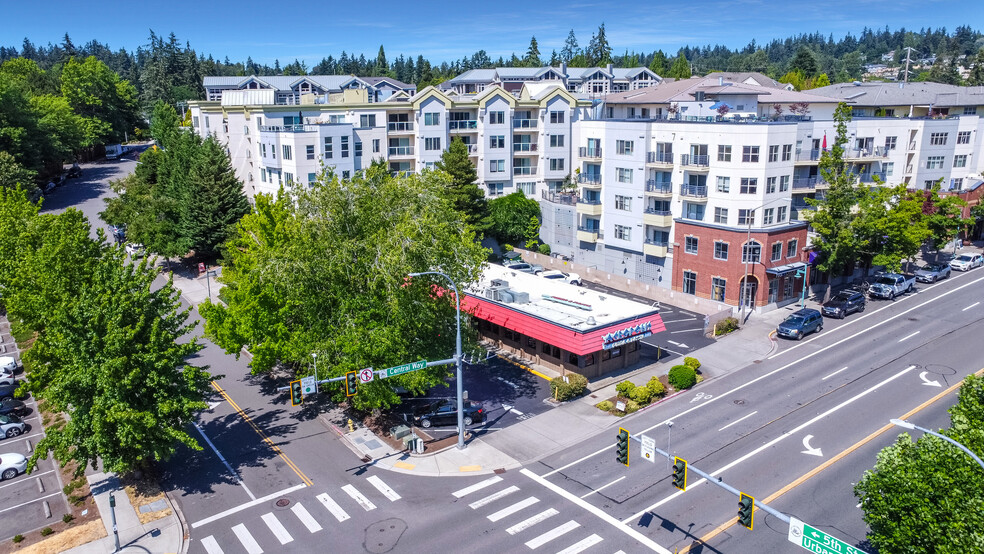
813	472
263	435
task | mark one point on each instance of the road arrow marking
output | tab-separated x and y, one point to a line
927	382
212	405
679	344
809	449
509	408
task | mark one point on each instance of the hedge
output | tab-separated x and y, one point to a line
682	377
656	388
566	390
691	363
625	388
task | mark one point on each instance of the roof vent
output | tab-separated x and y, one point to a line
591	320
857	83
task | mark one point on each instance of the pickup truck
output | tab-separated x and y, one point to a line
890	285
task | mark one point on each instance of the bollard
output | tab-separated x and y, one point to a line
29	447
47	510
40	485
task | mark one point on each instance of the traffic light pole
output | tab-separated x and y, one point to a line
379	373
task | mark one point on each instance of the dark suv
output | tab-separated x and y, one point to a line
843	303
445	412
800	323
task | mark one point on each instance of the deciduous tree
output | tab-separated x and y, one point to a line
510	215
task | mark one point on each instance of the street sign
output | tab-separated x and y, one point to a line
309	385
366	375
815	540
649	448
201	267
405	368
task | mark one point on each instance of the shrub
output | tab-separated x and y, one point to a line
631	406
656	388
605	406
641	395
72	486
46	531
566	390
544	249
18	538
67	518
726	325
691	363
507	248
682	377
625	388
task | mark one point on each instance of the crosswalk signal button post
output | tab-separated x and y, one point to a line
622	447
746	510
680	473
296	393
351	383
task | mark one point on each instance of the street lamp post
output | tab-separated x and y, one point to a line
746	255
457	355
906	425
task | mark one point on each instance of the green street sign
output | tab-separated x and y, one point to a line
405	368
815	540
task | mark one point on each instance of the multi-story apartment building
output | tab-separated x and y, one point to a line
518	140
287	89
581	81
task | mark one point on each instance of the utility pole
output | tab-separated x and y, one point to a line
908	53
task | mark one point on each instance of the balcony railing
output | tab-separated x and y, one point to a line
665	187
559	198
589	178
586	152
400	126
877	152
462	124
401	150
655	242
299	128
524	123
805	183
699	160
870	177
694	191
592	201
472	148
524	147
659	157
594	230
524	170
653	211
808	155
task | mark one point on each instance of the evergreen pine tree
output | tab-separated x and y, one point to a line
658	65
217	199
463	191
533	54
681	68
570	48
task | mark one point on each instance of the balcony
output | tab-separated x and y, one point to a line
288	128
589	179
525	124
797	211
808	157
659	188
524	147
589	206
463	125
805	183
589	234
698	192
659	158
870	177
865	154
398	151
700	162
658	218
559	197
524	170
591	153
397	127
658	248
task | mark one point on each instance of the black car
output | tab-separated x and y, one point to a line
7	392
12	406
445	412
843	303
800	323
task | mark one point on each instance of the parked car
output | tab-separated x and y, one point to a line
844	303
12	465
890	285
572	278
510	257
118	232
800	323
930	273
535	269
8	365
8	379
966	262
13	406
135	249
445	412
9	391
74	171
11	426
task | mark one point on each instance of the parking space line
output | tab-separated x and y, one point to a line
234	473
20	438
29	502
908	336
32	475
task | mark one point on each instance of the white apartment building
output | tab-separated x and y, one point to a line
580	81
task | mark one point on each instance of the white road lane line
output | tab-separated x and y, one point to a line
211	546
738	420
234	473
603	486
249	543
969	307
277	528
552	534
834	373
581	545
383	488
358	497
333	507
531	521
246	505
493	497
477	486
302	514
506	512
908	336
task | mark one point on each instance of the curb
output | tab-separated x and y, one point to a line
185	533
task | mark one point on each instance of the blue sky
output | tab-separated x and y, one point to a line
448	30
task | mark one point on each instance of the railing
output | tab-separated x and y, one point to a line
524	123
589	178
462	124
524	147
559	197
652	185
654	242
299	128
402	172
699	160
592	201
595	230
654	211
659	157
400	126
877	152
524	170
586	152
694	191
808	155
472	148
805	183
870	177
908	169
401	150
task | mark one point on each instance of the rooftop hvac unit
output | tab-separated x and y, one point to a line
505	296
492	293
521	297
500	283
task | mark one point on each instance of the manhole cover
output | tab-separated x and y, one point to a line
739	402
282	503
757	362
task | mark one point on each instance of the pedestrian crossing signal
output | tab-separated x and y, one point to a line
296	393
622	447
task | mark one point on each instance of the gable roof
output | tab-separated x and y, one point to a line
281	82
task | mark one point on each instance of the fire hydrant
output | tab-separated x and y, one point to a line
351	426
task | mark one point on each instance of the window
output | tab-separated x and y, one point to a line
375	146
689	282
960	160
529	189
312	177
433	118
497	141
690	245
746	217
358	149
970	110
432	143
623	175
888	168
345	147
346	174
749	185
623	232
556	141
937	139
928	184
721	216
497	166
720	250
784	183
556	117
770	185
328	153
263	174
750	154
717	289
791	248
956	184
273	151
890	142
195	121
724	152
623	203
531	342
556	164
497	118
693	211
767	216
287	152
777	251
495	189
774	153
309	151
934	162
751	252
367	120
623	147
963	137
781	214
288	178
787	152
723	184
263	149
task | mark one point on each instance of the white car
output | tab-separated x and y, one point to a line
965	262
135	250
12	465
8	365
571	278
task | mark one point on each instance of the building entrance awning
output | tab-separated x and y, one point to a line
785	269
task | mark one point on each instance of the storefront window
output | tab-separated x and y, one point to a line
616	352
545	348
556	352
606	355
589	360
572	358
531	342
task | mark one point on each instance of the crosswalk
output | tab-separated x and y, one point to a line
524	517
276	528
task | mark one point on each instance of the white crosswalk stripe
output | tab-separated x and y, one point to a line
333	507
493	497
505	512
358	497
249	543
383	488
552	534
211	546
531	521
582	545
306	518
277	528
477	486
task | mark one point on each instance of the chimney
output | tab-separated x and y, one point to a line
563	68
720	81
609	68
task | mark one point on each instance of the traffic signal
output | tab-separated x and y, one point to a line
351	383
680	473
296	393
622	447
746	510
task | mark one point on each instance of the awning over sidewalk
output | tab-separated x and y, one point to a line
781	270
